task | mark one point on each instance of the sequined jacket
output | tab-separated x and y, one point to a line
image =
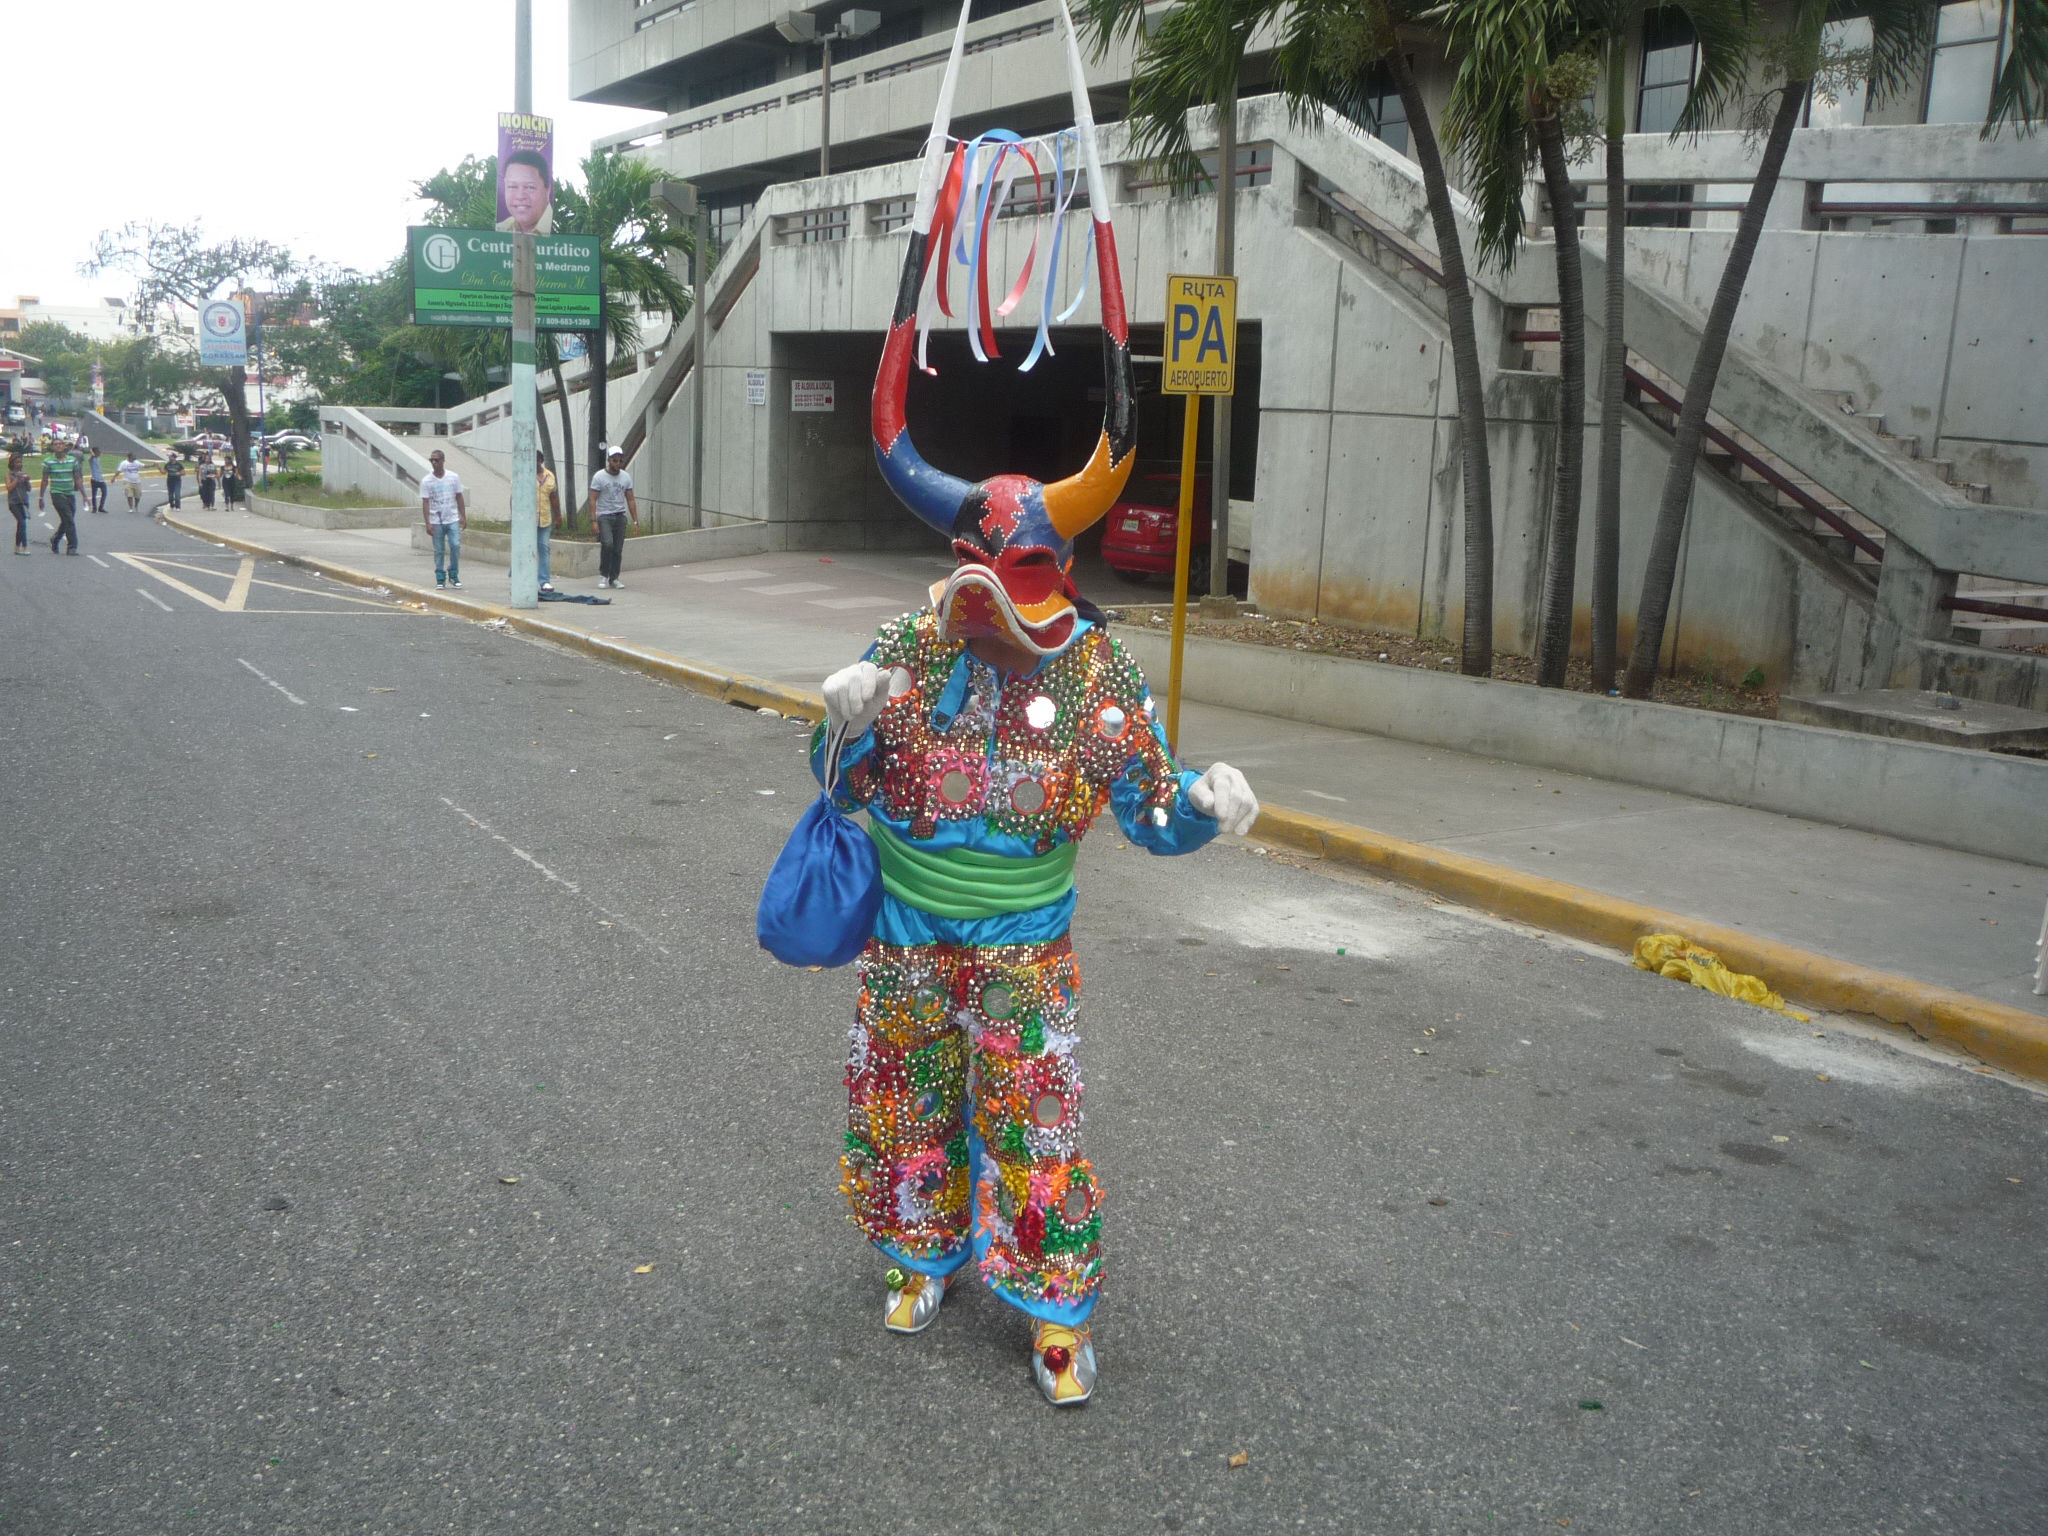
964	755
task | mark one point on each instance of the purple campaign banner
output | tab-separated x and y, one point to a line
526	173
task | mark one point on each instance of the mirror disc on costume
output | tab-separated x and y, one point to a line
1040	713
999	1001
1112	722
1074	1209
928	1103
1027	796
1047	1110
927	1001
955	786
900	682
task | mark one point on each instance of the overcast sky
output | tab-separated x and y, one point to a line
301	123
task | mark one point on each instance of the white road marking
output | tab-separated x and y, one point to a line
792	588
857	602
154	599
1321	796
727	575
280	687
96	560
568	885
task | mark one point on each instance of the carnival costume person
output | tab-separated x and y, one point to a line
983	735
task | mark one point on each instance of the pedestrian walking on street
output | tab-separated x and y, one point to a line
208	475
174	479
611	503
231	482
547	506
130	471
445	510
17	500
99	478
60	488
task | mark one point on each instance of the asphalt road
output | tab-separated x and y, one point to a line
325	920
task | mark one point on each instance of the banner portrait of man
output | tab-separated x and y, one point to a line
526	177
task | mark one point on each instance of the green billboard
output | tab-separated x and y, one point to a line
464	277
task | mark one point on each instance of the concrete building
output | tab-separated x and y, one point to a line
108	320
1882	402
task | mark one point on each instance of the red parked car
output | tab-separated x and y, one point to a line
1139	533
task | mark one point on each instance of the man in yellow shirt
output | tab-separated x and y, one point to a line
547	506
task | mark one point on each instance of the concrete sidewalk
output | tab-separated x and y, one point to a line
1950	919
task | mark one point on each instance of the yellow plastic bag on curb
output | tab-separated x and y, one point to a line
1668	954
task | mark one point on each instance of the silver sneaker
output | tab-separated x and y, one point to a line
913	1300
1063	1361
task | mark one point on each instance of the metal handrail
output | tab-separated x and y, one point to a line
1997	610
1772	477
1373	232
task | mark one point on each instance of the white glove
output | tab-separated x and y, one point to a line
1223	793
854	697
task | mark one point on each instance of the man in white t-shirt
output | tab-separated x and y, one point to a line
611	503
445	511
130	471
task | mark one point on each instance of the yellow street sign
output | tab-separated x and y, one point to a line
1201	336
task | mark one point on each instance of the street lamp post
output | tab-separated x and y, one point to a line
802	27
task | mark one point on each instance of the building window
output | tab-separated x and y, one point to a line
1387	117
1965	63
726	221
718	87
983	9
662	15
903	27
1670	54
1846	110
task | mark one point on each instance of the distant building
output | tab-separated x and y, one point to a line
108	320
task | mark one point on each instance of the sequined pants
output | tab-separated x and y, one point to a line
964	1120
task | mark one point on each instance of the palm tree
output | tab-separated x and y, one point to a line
1900	33
1194	57
2020	94
1523	64
1329	53
1525	72
635	238
1721	26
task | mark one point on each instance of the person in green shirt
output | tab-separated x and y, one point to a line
60	486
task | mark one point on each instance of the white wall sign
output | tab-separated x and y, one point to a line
810	394
757	386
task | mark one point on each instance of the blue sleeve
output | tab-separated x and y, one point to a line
1149	818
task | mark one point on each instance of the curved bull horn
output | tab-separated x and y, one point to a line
935	496
1083	499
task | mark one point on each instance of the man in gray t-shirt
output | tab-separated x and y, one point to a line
611	503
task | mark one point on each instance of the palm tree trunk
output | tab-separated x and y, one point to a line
566	471
600	368
1661	571
1613	356
1477	658
1561	556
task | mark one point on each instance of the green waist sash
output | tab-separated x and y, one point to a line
966	882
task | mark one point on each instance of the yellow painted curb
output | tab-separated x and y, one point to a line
727	687
2005	1037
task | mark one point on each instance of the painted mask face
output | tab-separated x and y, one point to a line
1012	536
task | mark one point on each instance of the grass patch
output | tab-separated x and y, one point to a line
581	535
290	488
